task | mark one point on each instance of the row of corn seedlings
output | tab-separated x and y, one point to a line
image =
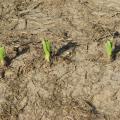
47	50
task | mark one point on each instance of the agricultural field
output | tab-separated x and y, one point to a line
59	60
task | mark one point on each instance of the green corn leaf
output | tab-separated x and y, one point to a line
47	49
109	47
2	55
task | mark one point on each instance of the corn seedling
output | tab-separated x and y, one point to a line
109	48
2	55
47	49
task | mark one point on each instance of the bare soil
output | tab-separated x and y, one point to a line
80	83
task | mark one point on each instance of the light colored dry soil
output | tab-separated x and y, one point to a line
81	83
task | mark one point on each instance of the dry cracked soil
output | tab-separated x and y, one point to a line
81	83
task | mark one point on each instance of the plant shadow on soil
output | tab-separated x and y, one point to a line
64	48
8	61
116	50
19	51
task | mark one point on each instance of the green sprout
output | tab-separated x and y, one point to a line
47	49
2	55
109	48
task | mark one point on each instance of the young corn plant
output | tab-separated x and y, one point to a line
109	48
47	49
2	56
